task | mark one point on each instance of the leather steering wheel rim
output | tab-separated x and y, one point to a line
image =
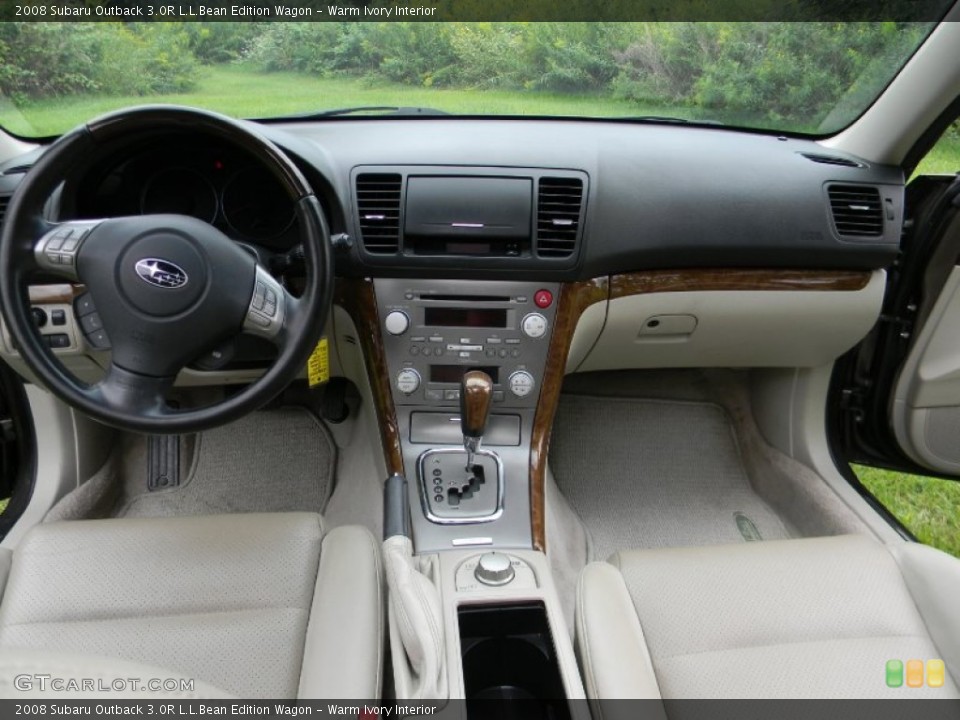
129	398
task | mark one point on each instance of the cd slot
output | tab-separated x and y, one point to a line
466	298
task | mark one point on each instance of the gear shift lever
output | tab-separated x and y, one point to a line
476	391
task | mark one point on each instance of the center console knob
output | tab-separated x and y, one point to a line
397	322
408	380
494	568
521	383
534	325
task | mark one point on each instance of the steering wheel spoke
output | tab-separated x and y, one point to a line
57	249
270	309
128	392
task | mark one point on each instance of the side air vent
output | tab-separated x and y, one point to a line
4	201
857	210
378	209
559	205
832	160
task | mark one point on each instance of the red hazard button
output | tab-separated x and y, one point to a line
543	298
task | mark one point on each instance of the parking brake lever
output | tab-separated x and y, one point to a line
476	392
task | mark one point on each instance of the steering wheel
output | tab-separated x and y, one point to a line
167	288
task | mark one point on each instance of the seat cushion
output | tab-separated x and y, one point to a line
223	599
787	619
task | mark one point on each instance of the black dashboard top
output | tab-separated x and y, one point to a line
603	197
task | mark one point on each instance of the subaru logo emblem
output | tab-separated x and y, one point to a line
161	273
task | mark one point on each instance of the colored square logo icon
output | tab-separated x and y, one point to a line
914	673
894	673
935	673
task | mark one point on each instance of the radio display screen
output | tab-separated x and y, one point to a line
454	373
465	317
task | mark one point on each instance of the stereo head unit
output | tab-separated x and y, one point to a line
436	330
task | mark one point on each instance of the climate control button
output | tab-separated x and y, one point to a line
397	322
534	325
521	383
408	380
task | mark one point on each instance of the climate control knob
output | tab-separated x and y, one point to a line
534	325
397	322
408	380
521	383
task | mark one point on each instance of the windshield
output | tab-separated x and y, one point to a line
794	77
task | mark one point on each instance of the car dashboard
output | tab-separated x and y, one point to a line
528	248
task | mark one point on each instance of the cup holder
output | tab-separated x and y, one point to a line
509	663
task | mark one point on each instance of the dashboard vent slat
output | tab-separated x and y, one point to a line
378	211
857	210
832	160
559	208
4	201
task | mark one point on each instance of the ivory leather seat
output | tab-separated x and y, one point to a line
811	618
253	606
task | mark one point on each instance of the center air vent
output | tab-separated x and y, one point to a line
857	210
378	210
832	160
559	207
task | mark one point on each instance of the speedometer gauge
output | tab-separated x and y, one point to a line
255	205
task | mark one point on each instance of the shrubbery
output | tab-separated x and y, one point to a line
760	70
767	71
50	59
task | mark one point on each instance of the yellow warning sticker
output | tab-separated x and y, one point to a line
318	366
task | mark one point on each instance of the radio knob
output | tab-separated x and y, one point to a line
521	383
397	322
534	325
408	380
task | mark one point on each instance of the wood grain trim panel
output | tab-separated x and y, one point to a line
654	281
359	300
573	300
62	293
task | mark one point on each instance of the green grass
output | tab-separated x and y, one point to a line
3	505
944	158
928	507
241	92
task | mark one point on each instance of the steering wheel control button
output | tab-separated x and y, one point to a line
534	325
91	323
57	250
397	322
521	383
543	299
265	313
408	380
494	569
83	305
259	296
98	340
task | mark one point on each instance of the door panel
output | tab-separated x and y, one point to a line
926	404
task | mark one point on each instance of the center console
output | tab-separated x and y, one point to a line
466	363
434	332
